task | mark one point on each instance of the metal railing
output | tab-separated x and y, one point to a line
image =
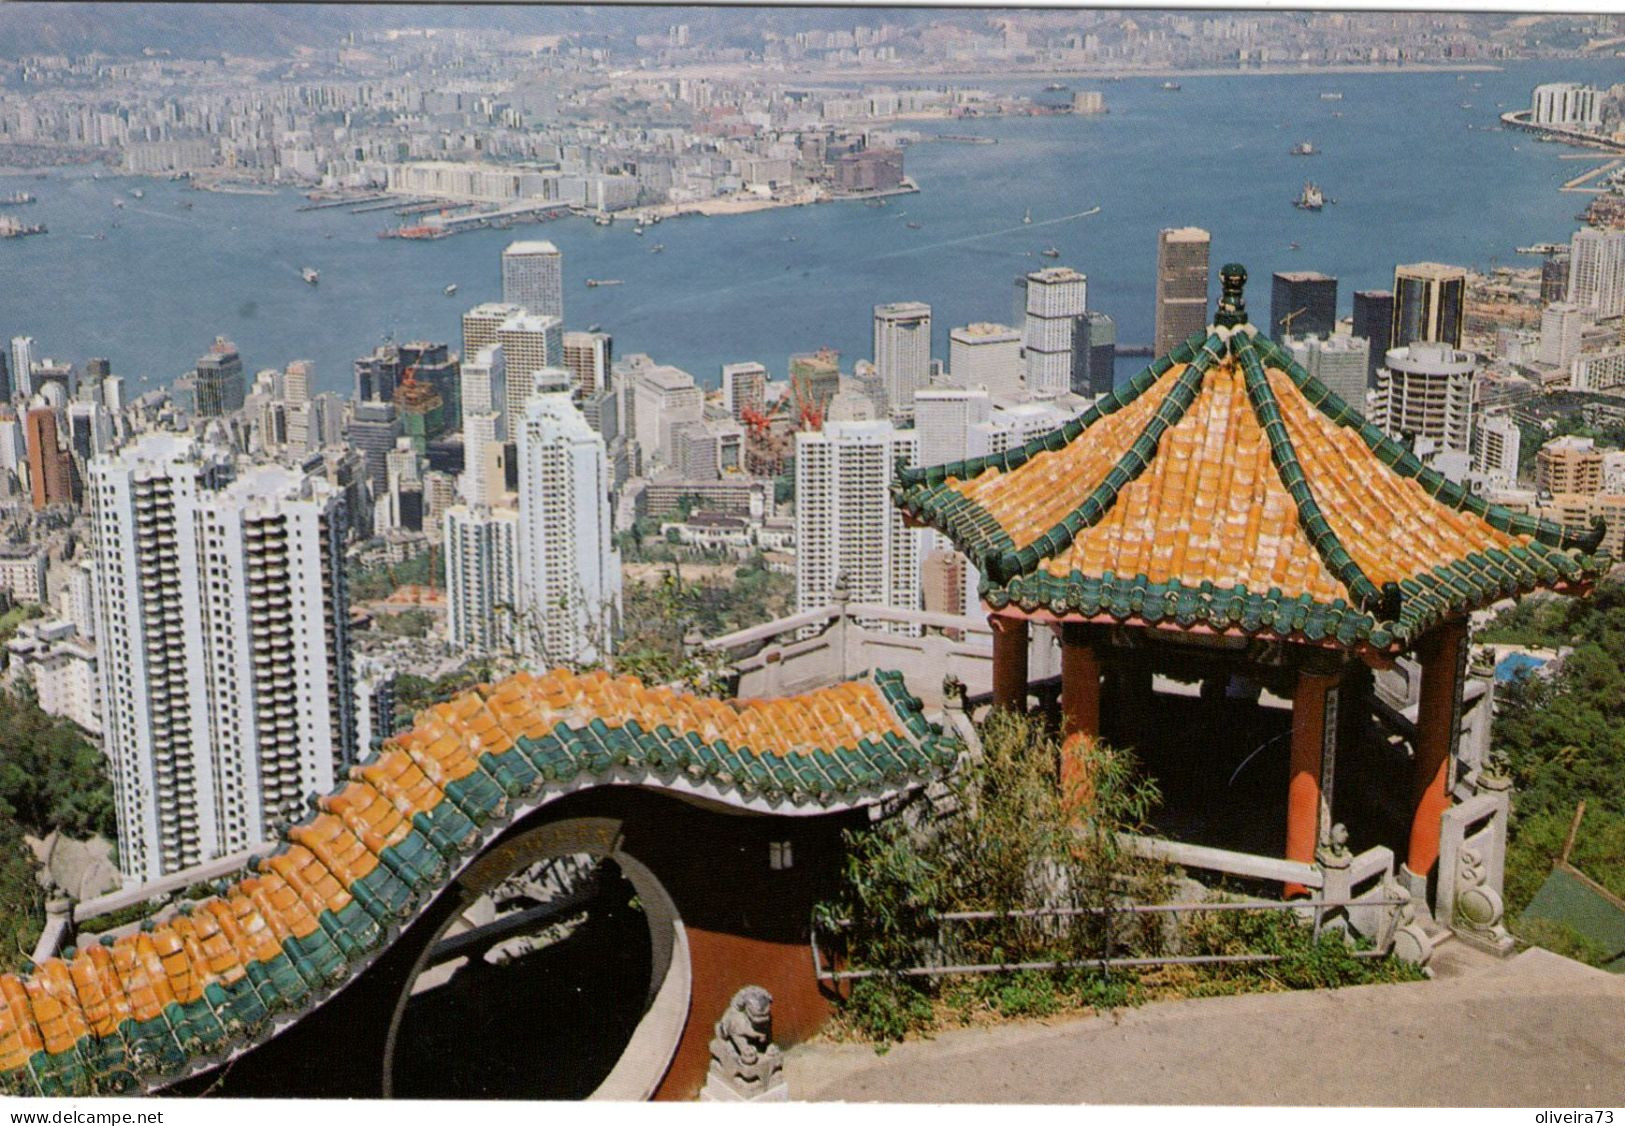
1106	963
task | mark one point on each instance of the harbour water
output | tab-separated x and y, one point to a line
151	283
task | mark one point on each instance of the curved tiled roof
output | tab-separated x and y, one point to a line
219	975
1224	485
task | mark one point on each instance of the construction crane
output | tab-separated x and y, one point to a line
1285	323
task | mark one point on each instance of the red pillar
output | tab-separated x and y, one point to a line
1303	788
1080	683
1440	655
1009	662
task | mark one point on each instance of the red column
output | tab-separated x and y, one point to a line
1303	788
1080	683
1440	655
1009	662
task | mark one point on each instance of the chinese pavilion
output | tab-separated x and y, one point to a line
1223	512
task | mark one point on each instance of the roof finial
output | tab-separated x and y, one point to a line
1232	304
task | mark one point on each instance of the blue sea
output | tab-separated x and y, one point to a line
1416	163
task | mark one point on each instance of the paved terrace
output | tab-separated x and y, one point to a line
1534	1030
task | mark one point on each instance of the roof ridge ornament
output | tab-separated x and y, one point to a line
1232	301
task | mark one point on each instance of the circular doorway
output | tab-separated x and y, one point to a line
560	972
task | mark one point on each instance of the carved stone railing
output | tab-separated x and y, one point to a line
1472	864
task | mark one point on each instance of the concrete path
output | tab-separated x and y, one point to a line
1535	1030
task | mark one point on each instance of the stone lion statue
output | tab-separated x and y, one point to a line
742	1050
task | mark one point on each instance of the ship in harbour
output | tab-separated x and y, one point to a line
1311	199
1050	252
11	228
594	283
1305	148
310	275
16	198
1171	85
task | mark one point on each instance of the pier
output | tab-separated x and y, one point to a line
348	201
388	202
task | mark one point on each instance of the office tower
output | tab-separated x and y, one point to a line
818	374
1056	298
374	704
846	525
1339	362
663	398
22	366
49	478
744	388
90	430
588	356
485	386
1374	321
97	368
943	576
1181	285
1562	329
373	429
482	574
943	417
569	571
1554	277
1426	391
1597	271
218	380
1094	355
223	647
376	375
1429	304
480	325
986	355
1302	303
13	445
530	342
56	381
902	353
533	278
433	364
296	381
5	379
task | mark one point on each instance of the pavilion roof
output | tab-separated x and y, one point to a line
197	984
1223	486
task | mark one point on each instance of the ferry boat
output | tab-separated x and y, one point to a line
1331	97
11	228
1027	216
1311	199
594	283
137	193
1050	252
1056	87
1171	85
450	290
1305	148
16	198
310	275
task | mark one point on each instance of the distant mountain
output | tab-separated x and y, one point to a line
205	30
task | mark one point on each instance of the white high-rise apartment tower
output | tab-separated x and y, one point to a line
483	383
482	576
1056	298
569	572
846	523
480	325
223	648
533	278
902	353
22	364
1597	271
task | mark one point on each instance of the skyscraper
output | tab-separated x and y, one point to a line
846	525
485	385
480	325
744	388
482	572
372	431
902	332
986	355
1425	390
1339	362
219	377
1597	271
1182	277
377	375
1056	298
1302	303
589	357
5	378
1430	303
223	646
1374	320
943	417
530	342
533	278
22	366
569	571
1094	355
48	474
1554	277
296	380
